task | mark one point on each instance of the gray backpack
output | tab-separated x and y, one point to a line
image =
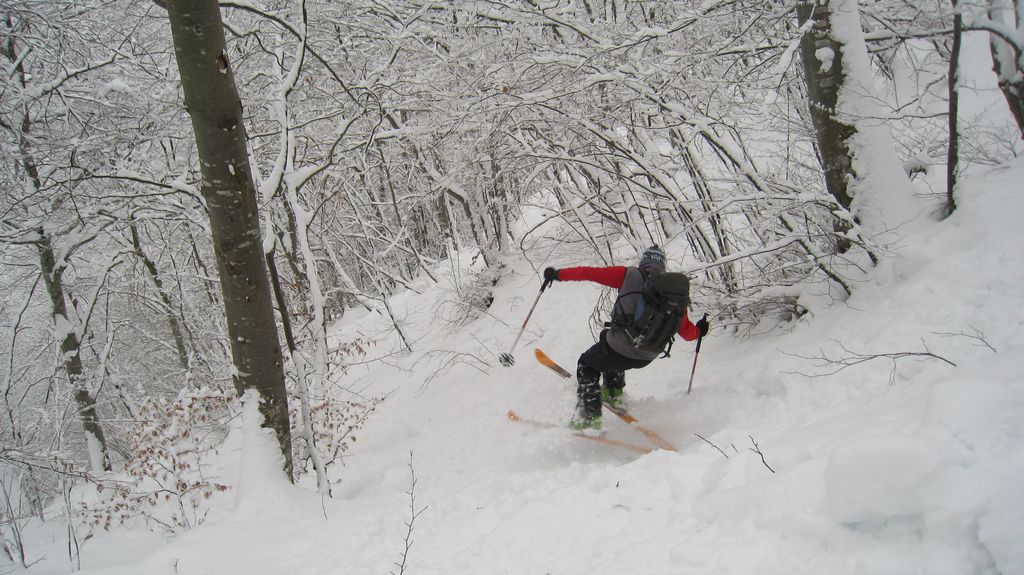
665	297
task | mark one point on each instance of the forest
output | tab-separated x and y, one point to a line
195	194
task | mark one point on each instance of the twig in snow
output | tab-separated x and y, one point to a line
977	335
757	450
835	364
413	514
712	445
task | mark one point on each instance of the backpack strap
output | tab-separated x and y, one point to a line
668	348
618	298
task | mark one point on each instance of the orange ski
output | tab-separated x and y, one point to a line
513	416
618	411
550	363
632	422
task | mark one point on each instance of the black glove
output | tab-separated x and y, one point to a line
550	277
703	326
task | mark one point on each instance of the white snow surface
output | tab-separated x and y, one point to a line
886	467
891	466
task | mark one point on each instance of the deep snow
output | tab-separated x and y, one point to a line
889	466
905	466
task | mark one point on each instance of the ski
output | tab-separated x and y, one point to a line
513	416
550	363
621	413
632	422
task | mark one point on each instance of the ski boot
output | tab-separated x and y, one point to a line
613	397
583	423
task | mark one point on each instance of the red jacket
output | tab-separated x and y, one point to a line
612	277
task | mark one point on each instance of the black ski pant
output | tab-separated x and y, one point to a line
600	360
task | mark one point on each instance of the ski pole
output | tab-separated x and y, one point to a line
506	359
696	352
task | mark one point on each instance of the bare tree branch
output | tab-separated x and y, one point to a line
833	364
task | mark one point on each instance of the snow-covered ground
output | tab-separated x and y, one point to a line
898	464
890	466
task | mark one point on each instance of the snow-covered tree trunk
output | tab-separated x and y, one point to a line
823	73
71	359
300	221
212	100
1007	44
318	335
52	269
499	200
306	429
866	175
883	196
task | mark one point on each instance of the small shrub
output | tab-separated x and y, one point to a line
336	424
165	484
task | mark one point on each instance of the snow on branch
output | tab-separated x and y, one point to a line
259	11
39	90
1006	32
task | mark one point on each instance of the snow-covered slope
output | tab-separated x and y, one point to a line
903	464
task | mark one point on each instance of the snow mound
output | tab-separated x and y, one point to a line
869	480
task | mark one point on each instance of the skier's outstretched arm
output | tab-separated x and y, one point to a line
611	276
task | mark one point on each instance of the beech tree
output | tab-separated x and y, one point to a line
212	100
823	72
857	152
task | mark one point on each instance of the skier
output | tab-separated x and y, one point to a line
614	352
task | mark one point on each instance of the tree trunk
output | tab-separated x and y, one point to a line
70	351
212	100
317	333
823	73
1008	60
52	273
307	432
953	152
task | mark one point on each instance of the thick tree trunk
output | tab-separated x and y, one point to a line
823	72
211	98
864	171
